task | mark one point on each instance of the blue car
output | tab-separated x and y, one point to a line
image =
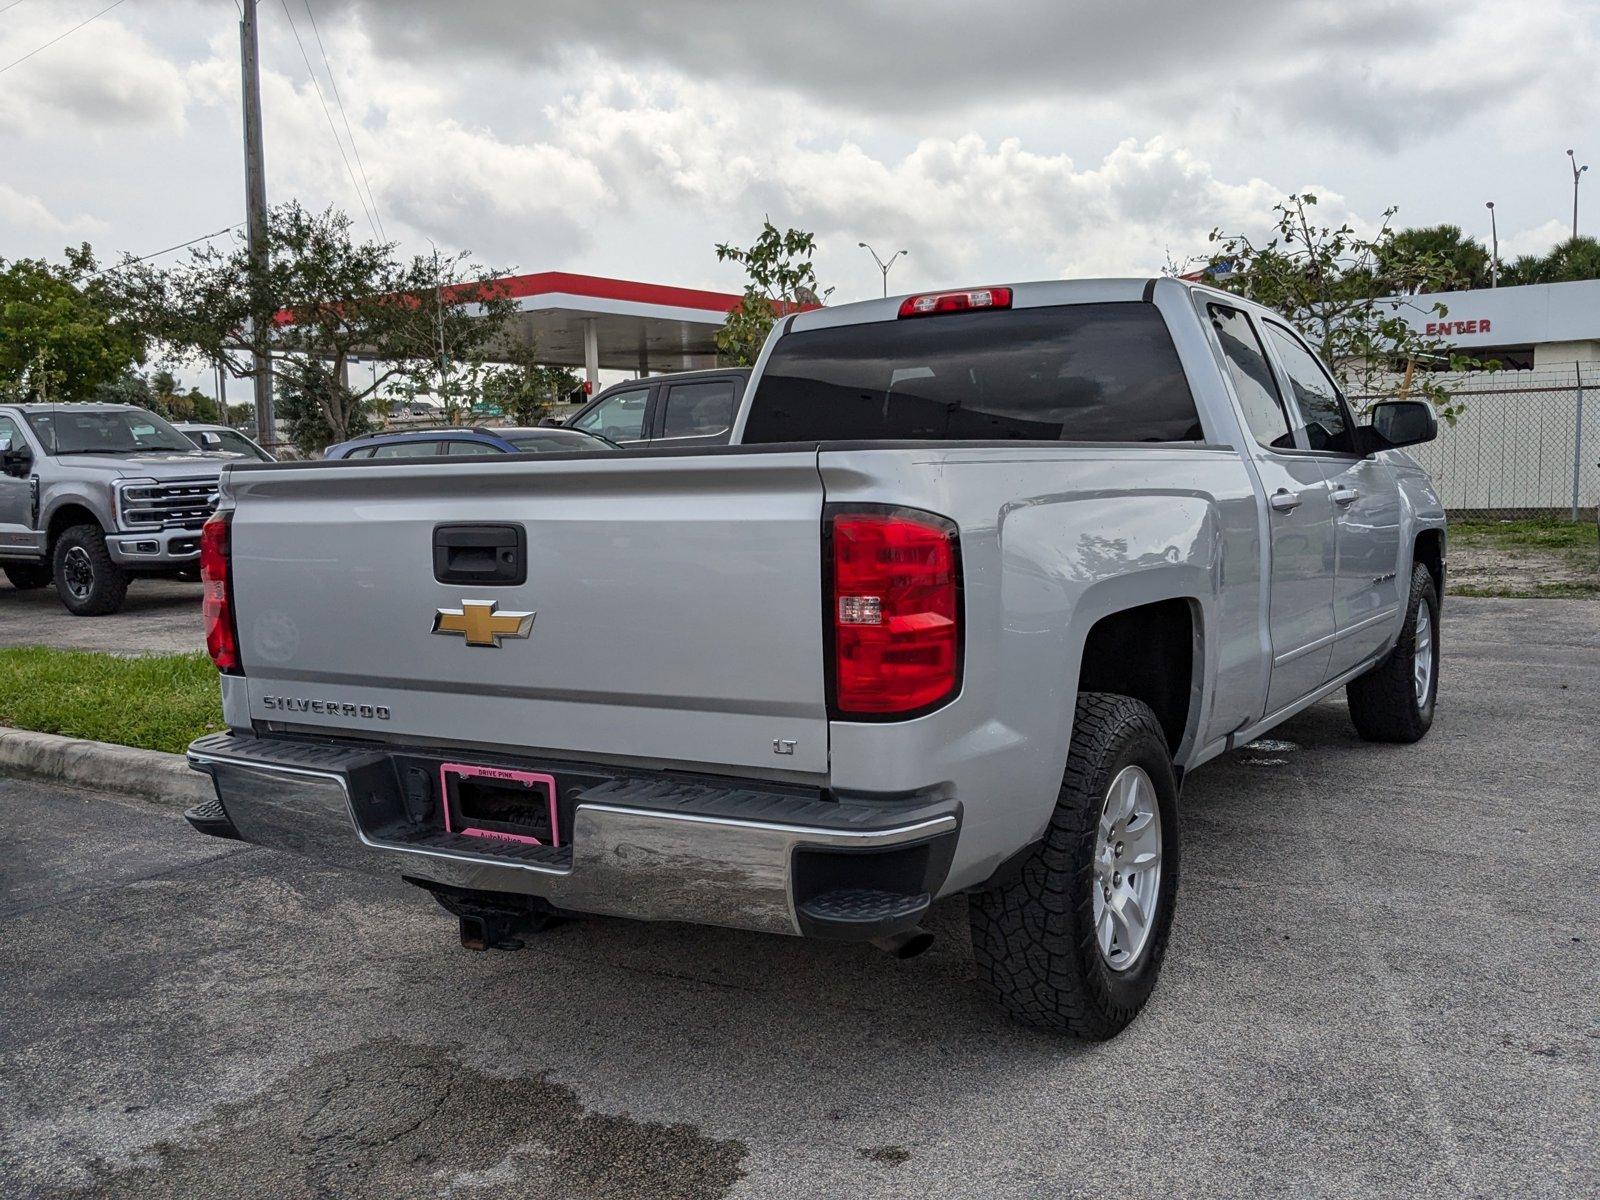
460	441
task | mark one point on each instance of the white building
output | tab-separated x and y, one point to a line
1540	327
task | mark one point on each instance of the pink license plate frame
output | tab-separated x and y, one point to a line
473	771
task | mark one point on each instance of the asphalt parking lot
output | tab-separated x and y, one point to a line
1383	981
161	616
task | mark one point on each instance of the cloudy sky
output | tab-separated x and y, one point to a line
1006	140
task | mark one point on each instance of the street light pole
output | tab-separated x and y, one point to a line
883	266
1577	175
255	205
1494	256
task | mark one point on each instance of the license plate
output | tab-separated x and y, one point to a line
497	803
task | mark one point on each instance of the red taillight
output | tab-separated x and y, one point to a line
932	303
896	611
216	605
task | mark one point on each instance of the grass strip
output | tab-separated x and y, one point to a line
159	702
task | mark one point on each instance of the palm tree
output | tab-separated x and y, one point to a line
1574	259
1455	261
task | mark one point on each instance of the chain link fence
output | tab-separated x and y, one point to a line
1527	446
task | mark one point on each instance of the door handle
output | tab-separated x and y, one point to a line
1344	496
1283	500
480	554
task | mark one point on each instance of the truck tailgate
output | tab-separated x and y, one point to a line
676	601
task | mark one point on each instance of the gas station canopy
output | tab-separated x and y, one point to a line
591	322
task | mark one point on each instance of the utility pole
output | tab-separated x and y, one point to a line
1577	176
1494	256
883	267
255	205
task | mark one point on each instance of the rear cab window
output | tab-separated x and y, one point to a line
1100	372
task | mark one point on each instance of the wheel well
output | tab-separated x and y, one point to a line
1430	553
64	518
1147	653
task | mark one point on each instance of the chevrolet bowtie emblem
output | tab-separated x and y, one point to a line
477	621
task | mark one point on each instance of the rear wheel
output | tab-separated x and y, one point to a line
27	576
1394	702
89	583
1074	942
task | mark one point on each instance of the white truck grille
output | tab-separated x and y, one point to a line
171	504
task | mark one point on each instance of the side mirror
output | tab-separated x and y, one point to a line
550	423
1395	423
16	463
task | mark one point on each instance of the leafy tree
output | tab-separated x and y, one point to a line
1329	282
1574	259
128	388
308	392
322	298
447	346
525	390
781	279
63	332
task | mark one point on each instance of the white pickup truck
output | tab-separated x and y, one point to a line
982	576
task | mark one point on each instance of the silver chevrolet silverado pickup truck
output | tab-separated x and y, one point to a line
982	576
93	496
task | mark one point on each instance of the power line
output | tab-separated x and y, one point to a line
205	237
350	133
9	7
360	199
14	62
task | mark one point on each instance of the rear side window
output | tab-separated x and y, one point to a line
699	409
406	450
1074	372
459	448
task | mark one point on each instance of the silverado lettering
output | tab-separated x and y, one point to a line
332	708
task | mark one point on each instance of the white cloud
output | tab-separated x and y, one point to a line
1032	139
104	77
19	210
1537	240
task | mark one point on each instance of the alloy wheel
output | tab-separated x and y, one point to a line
1127	868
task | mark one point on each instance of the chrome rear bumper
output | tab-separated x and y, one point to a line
647	847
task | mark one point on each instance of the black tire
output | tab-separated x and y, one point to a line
1033	936
88	582
1383	703
25	577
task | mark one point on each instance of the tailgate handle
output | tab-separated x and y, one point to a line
480	554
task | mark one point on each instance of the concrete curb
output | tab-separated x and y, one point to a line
148	774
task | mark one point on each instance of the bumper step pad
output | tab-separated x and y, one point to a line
864	912
211	818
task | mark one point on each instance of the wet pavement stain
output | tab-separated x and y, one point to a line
388	1120
1271	745
889	1156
